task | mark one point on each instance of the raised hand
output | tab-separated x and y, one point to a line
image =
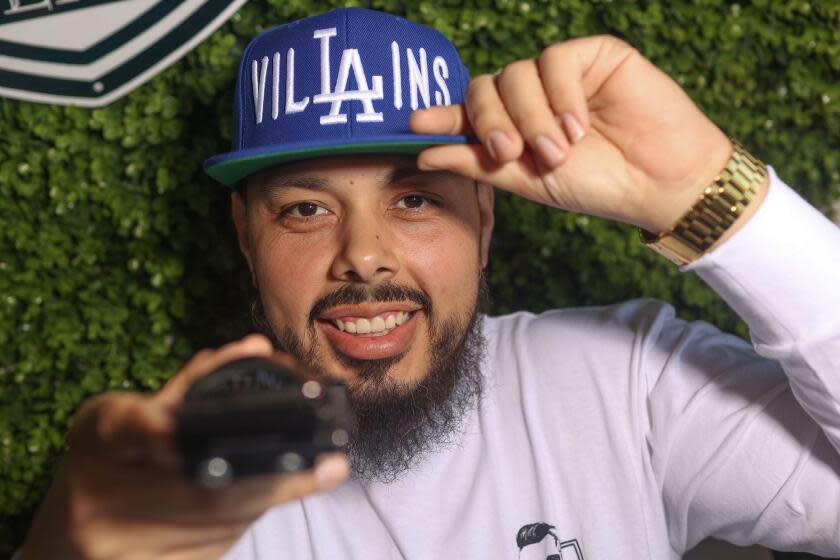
119	493
590	126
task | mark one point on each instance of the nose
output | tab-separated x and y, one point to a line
366	252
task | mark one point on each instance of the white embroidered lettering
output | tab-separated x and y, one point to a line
397	74
275	87
258	72
350	61
293	106
441	72
418	77
324	35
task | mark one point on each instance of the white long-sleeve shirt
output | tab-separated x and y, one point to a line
631	433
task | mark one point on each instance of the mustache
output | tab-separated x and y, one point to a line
387	292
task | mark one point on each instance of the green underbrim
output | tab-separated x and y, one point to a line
230	172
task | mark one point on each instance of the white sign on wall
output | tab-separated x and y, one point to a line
91	52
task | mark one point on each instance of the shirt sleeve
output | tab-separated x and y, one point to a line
745	446
781	274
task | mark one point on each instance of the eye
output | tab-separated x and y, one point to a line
304	210
412	202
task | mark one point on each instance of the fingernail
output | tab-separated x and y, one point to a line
573	128
499	145
548	151
331	471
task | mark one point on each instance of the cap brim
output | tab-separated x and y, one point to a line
230	168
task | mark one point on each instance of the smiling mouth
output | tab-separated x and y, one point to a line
380	325
385	335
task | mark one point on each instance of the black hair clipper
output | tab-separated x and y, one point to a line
254	416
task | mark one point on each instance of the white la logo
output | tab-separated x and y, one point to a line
418	82
349	59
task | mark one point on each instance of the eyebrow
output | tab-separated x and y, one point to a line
313	183
295	181
402	173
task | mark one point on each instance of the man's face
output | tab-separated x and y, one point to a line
367	244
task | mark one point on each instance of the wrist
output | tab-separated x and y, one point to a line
49	535
722	208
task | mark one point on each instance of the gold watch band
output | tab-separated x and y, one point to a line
720	205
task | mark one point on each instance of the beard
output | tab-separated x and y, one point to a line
397	424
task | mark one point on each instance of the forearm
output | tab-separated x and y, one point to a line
48	536
780	272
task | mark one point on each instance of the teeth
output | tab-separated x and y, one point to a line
378	324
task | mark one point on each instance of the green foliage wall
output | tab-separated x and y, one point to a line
117	258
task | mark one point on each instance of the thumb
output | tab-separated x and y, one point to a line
472	161
124	426
206	361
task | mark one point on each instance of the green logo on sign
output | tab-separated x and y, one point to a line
90	52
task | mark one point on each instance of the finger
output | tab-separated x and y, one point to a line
472	161
441	119
329	471
573	71
154	494
206	361
249	498
490	120
456	119
126	427
521	90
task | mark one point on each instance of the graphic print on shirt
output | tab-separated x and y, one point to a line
535	533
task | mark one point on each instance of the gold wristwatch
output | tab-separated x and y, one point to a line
720	205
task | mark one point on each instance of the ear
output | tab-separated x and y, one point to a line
239	210
485	210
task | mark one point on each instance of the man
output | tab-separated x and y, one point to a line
619	432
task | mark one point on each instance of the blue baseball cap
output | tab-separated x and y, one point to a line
342	82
